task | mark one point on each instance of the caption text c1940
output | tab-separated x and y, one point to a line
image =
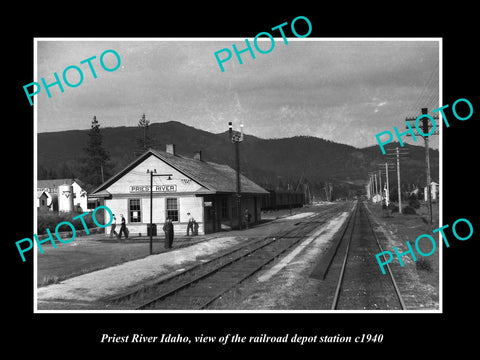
238	339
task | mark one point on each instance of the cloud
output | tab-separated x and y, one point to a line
344	91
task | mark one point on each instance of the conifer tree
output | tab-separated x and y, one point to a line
97	158
144	142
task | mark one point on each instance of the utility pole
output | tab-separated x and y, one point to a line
396	155
387	194
306	189
385	168
328	191
399	183
372	184
152	174
289	198
380	188
236	138
425	133
371	187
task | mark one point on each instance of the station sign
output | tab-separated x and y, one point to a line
156	188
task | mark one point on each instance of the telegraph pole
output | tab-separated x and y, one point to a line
425	133
387	194
386	167
372	182
289	198
396	155
399	185
380	179
237	137
372	185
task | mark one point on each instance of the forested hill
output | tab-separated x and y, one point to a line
272	163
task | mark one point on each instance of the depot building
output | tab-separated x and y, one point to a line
181	185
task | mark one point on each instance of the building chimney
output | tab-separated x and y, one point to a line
198	155
170	149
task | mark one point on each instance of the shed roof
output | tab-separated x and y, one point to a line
51	183
215	177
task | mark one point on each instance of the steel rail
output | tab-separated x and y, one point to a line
285	235
392	278
344	264
125	296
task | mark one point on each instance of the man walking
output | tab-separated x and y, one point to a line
123	228
168	229
114	225
190	226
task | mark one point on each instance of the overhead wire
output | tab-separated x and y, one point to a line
429	95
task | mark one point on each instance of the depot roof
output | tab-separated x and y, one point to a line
216	178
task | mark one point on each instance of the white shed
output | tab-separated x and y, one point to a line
434	190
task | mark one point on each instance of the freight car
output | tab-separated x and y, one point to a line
276	200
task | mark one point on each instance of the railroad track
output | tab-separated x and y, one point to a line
199	286
360	283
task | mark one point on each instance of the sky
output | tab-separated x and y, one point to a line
336	89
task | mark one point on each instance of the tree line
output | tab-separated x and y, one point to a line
94	166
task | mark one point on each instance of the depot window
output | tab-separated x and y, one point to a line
134	210
172	209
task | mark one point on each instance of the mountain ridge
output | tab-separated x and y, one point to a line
272	163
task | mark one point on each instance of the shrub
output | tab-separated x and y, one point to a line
393	208
409	210
423	264
49	220
413	202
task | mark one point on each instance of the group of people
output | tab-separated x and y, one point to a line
192	227
123	227
169	233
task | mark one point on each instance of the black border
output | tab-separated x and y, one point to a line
408	334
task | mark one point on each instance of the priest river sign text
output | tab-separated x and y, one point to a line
156	188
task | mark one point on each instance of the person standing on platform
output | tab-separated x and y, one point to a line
195	227
247	217
190	226
114	225
168	229
123	228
